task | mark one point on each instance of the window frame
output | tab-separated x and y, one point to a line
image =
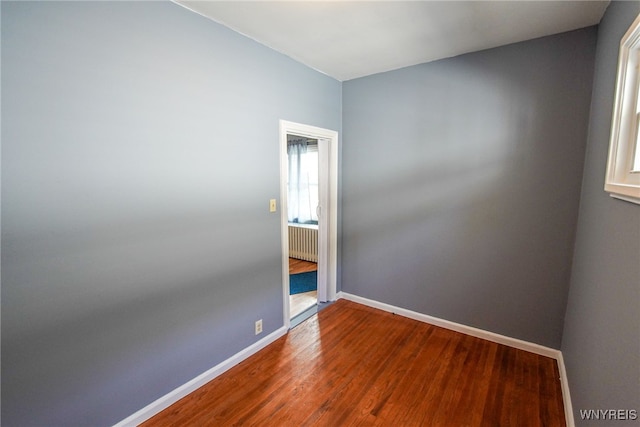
622	181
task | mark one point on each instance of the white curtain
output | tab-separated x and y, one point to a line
303	181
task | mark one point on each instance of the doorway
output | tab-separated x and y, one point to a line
315	216
303	202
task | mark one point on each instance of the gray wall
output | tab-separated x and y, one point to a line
601	340
139	152
461	183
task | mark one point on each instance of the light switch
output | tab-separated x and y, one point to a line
272	205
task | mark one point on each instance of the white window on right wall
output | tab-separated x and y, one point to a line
623	167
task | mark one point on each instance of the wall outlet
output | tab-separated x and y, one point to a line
258	326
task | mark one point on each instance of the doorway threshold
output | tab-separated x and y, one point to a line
314	309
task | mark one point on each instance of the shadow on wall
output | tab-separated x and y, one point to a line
465	208
113	329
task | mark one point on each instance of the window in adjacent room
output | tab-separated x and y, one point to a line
303	180
623	167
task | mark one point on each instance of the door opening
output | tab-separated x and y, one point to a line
308	191
303	211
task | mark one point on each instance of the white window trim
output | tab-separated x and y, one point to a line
621	180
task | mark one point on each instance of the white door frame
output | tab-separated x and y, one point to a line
324	136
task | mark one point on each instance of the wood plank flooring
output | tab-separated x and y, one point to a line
300	302
300	266
353	365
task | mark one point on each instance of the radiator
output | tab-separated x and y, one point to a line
303	242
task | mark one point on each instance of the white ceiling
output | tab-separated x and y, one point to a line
350	39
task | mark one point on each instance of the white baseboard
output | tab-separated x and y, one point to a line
468	330
172	397
566	396
479	333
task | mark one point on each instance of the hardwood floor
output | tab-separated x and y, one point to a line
300	302
300	266
353	365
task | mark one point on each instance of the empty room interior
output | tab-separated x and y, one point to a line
476	259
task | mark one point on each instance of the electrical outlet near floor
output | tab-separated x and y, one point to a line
258	326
